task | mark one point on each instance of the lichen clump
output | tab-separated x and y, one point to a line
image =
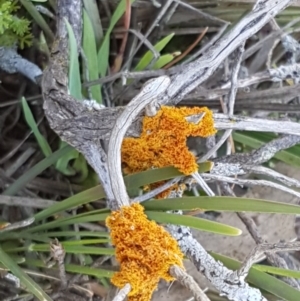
144	250
163	140
175	189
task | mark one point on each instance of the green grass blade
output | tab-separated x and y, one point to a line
148	56
220	203
165	59
25	236
193	222
263	280
62	164
17	259
96	272
73	268
94	16
45	147
277	271
82	169
85	241
35	171
75	233
90	50
74	201
150	176
46	237
74	249
25	280
74	70
44	245
103	53
68	221
92	212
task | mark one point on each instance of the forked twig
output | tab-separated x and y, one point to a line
149	93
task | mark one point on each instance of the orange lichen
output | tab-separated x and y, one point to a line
144	249
176	188
164	194
163	140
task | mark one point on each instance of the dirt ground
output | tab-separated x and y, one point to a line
274	227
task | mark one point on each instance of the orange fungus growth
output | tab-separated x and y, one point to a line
144	250
163	140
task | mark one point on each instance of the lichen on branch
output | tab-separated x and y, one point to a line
163	140
145	251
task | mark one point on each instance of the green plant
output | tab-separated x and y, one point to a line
13	29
